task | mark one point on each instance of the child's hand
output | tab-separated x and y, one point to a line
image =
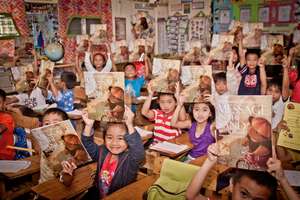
282	126
128	116
285	62
150	89
212	152
49	77
68	167
85	118
292	51
208	98
261	62
274	165
177	91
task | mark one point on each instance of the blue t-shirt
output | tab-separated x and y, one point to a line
136	85
65	100
250	83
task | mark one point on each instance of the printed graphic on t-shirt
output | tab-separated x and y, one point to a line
250	80
31	102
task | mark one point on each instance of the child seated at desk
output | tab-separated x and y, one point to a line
118	159
63	91
200	126
162	127
246	184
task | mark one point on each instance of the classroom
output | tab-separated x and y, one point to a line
150	99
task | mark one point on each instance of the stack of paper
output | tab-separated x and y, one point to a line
13	166
293	177
169	147
143	132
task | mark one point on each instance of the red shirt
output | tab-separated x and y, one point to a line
107	173
7	138
293	75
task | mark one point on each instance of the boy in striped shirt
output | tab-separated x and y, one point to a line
162	117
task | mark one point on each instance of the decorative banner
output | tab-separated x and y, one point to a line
291	138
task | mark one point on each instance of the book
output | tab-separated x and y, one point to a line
98	33
46	69
168	147
291	138
198	81
166	73
244	126
268	41
105	92
221	46
252	35
60	142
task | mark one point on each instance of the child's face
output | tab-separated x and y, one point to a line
235	56
201	112
167	103
221	87
247	188
252	60
114	139
141	49
275	92
52	118
130	71
98	62
124	50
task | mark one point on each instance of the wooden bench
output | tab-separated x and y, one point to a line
31	174
54	189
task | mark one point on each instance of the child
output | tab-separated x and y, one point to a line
245	184
200	127
9	134
162	128
64	93
252	69
119	159
294	76
134	84
51	116
99	61
33	97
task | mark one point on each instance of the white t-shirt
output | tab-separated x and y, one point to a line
278	111
35	99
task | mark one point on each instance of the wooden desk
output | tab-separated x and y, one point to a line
54	189
32	172
133	191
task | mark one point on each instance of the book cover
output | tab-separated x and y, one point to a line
60	142
252	35
46	69
106	95
245	131
166	73
198	81
221	46
98	33
291	138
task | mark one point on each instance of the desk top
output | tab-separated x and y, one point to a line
54	189
33	168
134	190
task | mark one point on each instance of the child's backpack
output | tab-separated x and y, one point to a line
174	179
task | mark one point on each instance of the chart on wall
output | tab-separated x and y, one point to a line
177	33
42	20
200	30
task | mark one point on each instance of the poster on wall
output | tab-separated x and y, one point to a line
187	8
264	14
175	7
198	5
245	14
224	16
120	23
284	13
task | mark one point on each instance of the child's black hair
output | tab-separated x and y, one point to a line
56	111
129	63
120	124
69	78
2	94
253	51
262	178
211	108
221	76
166	94
275	82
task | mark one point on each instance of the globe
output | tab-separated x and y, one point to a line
54	51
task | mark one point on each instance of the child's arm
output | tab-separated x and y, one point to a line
53	88
78	68
241	50
262	76
87	138
147	67
87	59
35	62
193	190
146	106
285	81
133	138
110	65
274	165
233	77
